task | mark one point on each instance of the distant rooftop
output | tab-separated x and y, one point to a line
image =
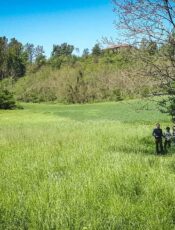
118	46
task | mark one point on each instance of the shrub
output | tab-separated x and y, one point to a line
7	100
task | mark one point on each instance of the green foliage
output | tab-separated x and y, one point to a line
13	58
77	92
37	87
96	50
34	54
149	46
167	105
117	95
55	62
82	81
3	56
16	59
40	61
62	50
7	100
30	50
65	77
85	53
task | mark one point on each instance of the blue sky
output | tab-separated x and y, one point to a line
78	22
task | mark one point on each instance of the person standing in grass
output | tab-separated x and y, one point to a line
167	135
158	134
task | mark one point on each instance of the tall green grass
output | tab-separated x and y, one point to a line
84	167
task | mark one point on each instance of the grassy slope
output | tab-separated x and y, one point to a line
84	167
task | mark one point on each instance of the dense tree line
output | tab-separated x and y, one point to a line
16	59
99	75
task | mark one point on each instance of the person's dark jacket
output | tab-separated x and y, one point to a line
157	133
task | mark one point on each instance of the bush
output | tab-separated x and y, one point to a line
7	100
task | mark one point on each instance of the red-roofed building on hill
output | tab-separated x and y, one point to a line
116	48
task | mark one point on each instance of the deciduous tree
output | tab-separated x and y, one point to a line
154	22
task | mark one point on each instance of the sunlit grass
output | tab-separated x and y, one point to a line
84	167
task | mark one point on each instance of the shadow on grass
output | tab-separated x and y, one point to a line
143	145
127	149
123	112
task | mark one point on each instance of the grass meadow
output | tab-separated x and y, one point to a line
83	167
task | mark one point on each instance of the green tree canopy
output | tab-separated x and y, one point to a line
62	50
